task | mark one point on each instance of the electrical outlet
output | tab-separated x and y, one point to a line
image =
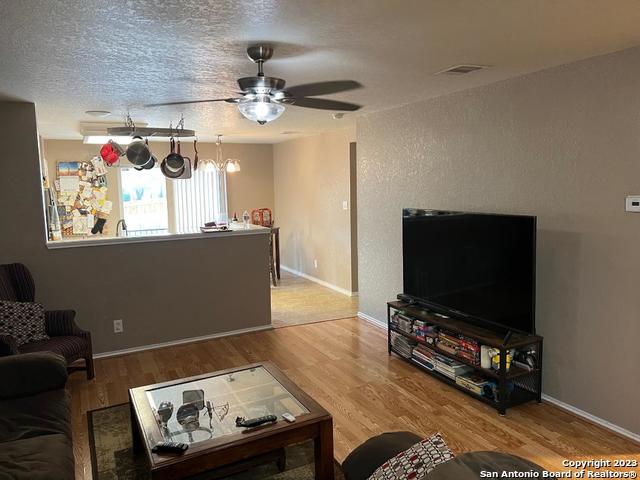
345	205
315	263
632	203
117	326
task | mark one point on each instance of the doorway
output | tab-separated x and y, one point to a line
301	295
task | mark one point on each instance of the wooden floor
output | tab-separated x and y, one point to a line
344	365
297	300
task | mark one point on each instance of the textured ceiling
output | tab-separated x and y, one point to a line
71	56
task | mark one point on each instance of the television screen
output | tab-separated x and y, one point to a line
480	267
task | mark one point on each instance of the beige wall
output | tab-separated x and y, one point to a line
163	291
562	144
251	188
311	178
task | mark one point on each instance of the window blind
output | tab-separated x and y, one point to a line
200	199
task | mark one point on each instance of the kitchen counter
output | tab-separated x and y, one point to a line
235	229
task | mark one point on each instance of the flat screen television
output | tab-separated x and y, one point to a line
475	266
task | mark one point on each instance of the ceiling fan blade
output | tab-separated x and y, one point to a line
230	100
323	104
322	88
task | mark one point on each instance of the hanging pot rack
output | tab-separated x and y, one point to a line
130	129
178	132
150	132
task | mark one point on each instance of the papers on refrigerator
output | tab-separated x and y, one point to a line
70	183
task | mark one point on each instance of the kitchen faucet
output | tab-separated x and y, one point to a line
124	227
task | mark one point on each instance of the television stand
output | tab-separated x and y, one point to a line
501	387
406	299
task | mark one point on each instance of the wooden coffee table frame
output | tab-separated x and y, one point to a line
317	425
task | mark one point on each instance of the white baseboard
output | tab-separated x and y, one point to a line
153	346
374	321
565	406
338	289
597	420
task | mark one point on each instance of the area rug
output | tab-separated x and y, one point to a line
112	457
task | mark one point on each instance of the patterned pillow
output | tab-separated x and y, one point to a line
416	461
24	321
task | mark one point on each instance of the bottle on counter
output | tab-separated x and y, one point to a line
245	219
235	217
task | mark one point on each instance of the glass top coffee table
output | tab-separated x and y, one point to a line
201	411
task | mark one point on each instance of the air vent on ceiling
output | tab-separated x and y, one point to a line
461	69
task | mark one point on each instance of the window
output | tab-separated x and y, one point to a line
152	204
144	201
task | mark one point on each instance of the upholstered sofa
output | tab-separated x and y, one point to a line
365	459
35	418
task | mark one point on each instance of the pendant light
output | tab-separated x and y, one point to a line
229	165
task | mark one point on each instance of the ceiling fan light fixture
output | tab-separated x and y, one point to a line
260	109
263	99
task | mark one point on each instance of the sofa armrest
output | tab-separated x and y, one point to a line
472	465
60	323
8	345
365	459
31	373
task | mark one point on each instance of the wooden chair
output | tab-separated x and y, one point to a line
264	217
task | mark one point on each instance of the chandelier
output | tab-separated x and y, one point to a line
229	165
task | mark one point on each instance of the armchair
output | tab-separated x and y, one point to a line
66	338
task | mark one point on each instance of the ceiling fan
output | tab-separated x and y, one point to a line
263	99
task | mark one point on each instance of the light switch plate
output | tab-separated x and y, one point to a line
632	203
345	205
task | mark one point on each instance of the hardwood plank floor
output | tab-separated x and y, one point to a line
344	365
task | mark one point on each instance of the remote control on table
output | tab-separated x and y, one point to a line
170	447
254	422
288	417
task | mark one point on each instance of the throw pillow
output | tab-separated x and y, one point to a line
415	462
24	321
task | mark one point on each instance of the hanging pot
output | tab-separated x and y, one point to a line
173	166
186	172
111	152
138	153
152	161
